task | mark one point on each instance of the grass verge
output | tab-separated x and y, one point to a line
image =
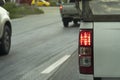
17	11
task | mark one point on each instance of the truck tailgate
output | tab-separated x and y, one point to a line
106	49
69	9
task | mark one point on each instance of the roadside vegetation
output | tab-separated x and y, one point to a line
53	3
17	11
65	1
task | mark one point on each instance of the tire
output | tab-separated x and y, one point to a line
75	21
5	41
97	79
65	23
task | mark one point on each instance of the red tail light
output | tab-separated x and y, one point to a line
61	7
85	52
85	38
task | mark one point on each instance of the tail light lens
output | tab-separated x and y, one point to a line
61	7
85	52
85	38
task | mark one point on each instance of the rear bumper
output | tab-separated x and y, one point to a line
74	16
86	77
68	18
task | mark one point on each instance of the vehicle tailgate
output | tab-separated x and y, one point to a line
69	9
106	49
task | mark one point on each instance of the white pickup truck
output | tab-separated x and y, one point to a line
5	31
99	40
69	13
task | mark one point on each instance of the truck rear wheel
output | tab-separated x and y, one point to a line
75	22
5	41
65	23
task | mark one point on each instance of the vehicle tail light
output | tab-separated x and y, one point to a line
61	7
85	52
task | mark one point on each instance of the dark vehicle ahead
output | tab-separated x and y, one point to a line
99	36
69	13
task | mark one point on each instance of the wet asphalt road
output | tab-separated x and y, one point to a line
69	70
37	42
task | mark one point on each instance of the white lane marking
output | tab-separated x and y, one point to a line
55	65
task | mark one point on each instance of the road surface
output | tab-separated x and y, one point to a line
40	45
69	70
